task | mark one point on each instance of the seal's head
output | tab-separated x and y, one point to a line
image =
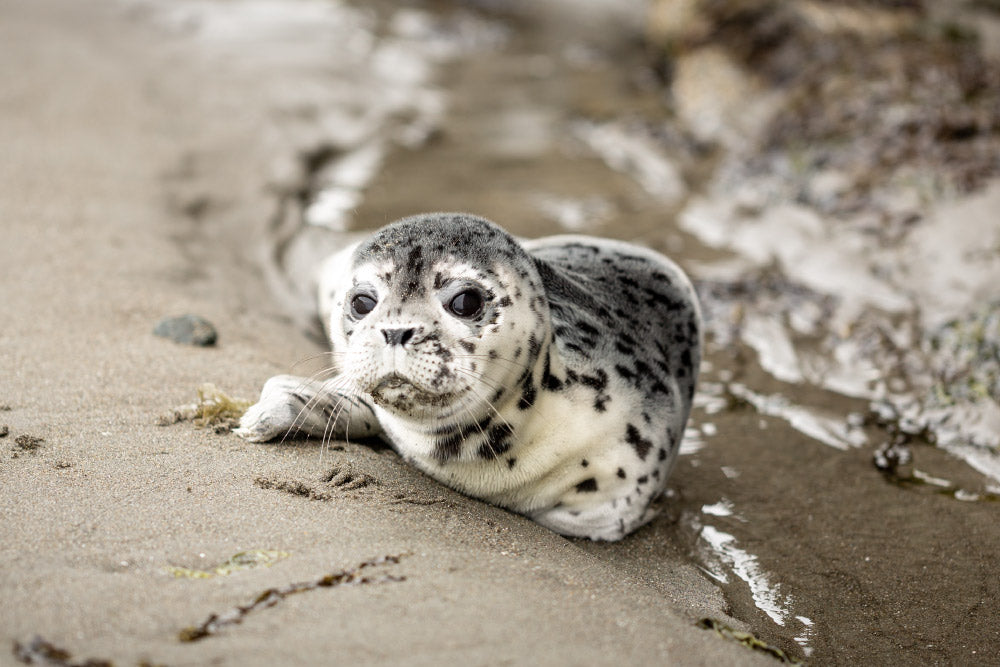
442	316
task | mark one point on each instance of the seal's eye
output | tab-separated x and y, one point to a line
466	304
361	305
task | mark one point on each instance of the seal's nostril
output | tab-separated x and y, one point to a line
397	336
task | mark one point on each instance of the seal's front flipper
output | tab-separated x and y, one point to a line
290	405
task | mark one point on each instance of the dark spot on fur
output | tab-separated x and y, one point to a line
468	346
639	443
598	381
621	473
415	260
585	463
549	381
588	485
528	393
628	282
449	447
643	479
534	347
624	372
510	462
497	441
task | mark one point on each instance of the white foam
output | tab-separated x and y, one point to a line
830	431
628	151
765	595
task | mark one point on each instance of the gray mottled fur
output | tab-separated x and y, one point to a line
606	331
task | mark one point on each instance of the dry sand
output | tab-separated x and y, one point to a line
110	130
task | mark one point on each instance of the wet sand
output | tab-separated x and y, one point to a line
132	187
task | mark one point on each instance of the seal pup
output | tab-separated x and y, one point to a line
552	377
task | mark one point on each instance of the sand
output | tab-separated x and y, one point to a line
132	187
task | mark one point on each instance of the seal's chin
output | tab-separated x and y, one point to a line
398	393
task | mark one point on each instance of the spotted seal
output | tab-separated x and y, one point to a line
552	377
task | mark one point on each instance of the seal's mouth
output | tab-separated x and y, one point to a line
393	381
399	392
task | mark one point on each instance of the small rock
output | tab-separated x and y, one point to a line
894	459
4	430
187	329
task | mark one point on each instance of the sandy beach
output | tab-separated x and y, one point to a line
132	187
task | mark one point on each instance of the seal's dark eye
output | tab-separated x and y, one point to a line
466	304
361	305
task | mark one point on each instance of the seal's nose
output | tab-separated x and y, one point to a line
397	336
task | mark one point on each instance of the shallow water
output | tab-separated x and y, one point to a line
823	341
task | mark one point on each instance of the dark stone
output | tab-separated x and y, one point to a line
187	329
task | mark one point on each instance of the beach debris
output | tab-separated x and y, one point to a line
245	560
41	652
187	329
4	430
272	596
746	639
895	461
215	409
28	443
